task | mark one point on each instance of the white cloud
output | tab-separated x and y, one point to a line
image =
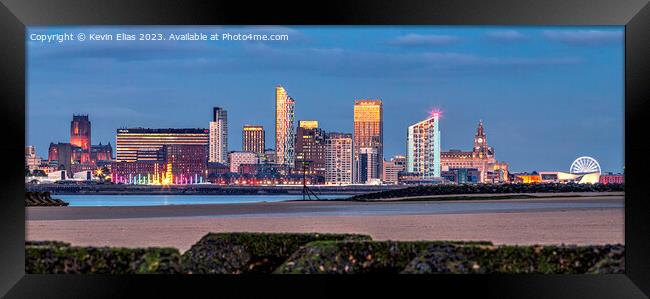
506	35
583	37
424	40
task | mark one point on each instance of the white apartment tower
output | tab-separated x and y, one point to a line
423	147
219	136
338	158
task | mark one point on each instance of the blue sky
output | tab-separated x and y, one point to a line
546	95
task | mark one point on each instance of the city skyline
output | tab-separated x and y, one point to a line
520	129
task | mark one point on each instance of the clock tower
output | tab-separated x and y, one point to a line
481	148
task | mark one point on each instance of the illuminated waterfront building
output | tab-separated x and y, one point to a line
284	127
480	157
423	147
369	130
161	156
218	136
530	178
253	139
238	158
188	162
169	164
139	172
129	141
310	148
80	135
338	158
611	178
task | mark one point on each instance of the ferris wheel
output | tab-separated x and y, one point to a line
584	165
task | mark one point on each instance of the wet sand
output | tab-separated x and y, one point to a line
182	226
328	208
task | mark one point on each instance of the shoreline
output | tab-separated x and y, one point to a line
315	208
577	227
570	220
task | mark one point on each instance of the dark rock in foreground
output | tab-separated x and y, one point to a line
332	257
42	199
489	189
519	259
237	253
389	257
51	257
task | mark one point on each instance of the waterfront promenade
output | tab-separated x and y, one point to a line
589	219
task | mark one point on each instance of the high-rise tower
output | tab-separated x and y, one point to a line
338	158
218	136
369	132
284	127
423	147
310	148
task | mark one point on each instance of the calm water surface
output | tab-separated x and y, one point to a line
164	200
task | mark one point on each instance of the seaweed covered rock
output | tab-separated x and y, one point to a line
46	244
353	257
519	259
238	253
58	257
613	263
448	189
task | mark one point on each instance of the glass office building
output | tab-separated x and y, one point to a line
369	131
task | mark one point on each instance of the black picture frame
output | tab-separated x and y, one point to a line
15	15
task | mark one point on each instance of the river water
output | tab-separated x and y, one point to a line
164	200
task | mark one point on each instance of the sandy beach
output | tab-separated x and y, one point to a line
581	221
